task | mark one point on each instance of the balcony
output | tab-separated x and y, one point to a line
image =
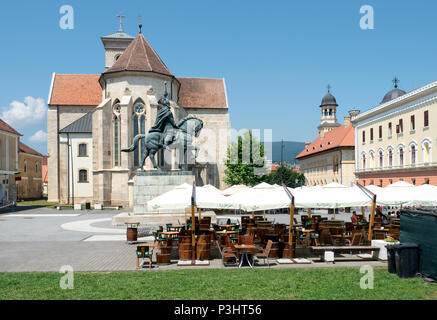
407	167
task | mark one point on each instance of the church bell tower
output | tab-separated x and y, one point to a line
115	44
329	114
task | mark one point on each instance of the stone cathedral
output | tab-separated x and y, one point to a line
92	117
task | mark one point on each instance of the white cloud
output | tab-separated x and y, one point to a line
39	136
20	114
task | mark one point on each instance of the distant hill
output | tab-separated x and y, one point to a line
291	150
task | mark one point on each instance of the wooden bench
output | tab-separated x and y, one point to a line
341	249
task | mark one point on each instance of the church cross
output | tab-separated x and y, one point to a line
396	81
121	16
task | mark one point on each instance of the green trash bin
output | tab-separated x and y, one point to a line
391	257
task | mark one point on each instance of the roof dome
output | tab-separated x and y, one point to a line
393	94
329	100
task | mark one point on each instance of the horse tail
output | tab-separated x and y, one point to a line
134	145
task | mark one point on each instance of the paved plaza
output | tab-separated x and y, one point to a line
43	239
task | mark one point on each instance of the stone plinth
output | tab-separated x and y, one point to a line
149	185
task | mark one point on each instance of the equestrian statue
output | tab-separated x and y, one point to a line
166	134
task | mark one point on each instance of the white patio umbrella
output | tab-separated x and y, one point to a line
234	189
211	188
424	195
396	194
261	197
331	196
180	198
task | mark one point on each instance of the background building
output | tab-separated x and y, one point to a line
394	141
9	139
331	157
30	168
45	179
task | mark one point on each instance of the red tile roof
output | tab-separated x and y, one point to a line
338	137
26	149
6	127
76	90
202	93
139	56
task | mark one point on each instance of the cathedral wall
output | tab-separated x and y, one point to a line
213	141
52	151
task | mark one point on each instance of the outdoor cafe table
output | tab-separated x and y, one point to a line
169	234
225	232
174	228
244	254
308	235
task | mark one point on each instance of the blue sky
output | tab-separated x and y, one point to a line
277	56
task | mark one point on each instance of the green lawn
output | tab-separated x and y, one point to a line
37	203
285	284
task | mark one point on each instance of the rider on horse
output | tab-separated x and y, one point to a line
165	123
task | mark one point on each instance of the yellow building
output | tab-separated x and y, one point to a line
30	168
395	140
9	139
330	157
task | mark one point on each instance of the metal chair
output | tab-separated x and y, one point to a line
265	255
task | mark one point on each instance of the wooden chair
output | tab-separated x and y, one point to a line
265	255
356	238
147	255
229	253
326	238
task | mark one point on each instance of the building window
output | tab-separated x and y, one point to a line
426	147
364	136
390	157
413	123
139	126
401	157
401	126
427	181
371	134
381	159
413	181
390	181
36	167
413	154
390	131
25	166
372	182
372	159
116	142
364	161
380	132
380	183
83	176
82	150
426	119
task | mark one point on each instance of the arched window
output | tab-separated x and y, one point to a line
36	166
25	166
426	150
381	158
364	160
372	159
82	150
413	155
390	157
83	176
139	126
401	156
116	133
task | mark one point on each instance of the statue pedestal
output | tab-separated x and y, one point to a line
149	185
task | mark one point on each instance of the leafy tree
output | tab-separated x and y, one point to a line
244	161
291	178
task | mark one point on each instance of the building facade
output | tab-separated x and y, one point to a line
119	104
9	140
331	157
30	185
395	140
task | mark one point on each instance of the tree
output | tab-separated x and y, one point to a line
287	175
245	161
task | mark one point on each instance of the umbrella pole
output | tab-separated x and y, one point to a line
200	214
290	231
309	212
253	214
264	215
372	218
193	235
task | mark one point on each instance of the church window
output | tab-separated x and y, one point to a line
401	156
36	167
83	175
139	126
25	166
116	142
82	150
